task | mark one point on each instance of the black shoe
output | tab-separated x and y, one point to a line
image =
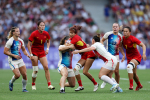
62	91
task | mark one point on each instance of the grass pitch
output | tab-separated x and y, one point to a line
42	93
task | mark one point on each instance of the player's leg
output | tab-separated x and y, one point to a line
136	79
79	65
15	70
71	78
117	76
43	61
35	71
131	65
23	71
64	74
86	68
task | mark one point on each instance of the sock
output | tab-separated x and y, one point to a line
131	82
49	83
80	83
138	83
115	82
62	88
13	79
24	83
107	79
94	82
33	84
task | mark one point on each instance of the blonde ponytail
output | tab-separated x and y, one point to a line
11	32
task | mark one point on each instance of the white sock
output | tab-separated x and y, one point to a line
62	88
13	79
107	79
115	82
24	83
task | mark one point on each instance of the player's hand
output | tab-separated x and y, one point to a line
123	58
144	57
121	28
28	56
46	52
75	52
17	57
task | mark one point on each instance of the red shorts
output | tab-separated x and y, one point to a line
138	58
89	54
39	54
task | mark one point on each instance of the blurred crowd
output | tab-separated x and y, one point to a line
58	15
133	13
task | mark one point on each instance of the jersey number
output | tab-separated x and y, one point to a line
126	46
41	41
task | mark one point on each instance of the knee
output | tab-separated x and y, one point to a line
24	75
117	71
17	75
46	68
35	72
65	74
73	85
99	76
85	72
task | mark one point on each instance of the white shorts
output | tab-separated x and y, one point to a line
70	71
111	64
117	56
16	64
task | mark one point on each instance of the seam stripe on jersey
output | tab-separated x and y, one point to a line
12	65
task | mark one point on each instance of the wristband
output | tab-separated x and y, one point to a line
47	49
31	54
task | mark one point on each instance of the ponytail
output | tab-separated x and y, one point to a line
11	32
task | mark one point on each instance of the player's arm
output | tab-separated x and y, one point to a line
48	45
102	40
84	50
25	51
7	52
122	52
63	48
29	47
144	50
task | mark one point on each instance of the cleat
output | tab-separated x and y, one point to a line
138	88
51	87
62	91
96	87
10	86
33	87
131	88
79	88
24	90
115	86
118	91
103	85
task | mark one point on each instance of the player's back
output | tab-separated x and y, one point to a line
101	52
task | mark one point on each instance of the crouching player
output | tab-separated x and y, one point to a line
65	65
12	49
109	59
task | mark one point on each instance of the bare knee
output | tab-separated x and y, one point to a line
99	76
116	72
24	75
46	68
72	85
17	75
85	72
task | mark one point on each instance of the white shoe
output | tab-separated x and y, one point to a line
33	87
103	85
96	87
51	87
79	88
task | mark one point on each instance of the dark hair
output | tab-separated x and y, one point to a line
97	38
62	41
40	22
75	29
127	28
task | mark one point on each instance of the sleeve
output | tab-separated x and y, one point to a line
22	43
31	38
61	46
94	45
106	35
137	41
121	37
48	36
8	44
74	41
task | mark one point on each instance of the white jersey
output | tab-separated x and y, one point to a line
14	47
101	52
113	42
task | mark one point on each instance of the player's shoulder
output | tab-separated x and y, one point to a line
120	34
45	32
10	39
109	33
20	39
34	32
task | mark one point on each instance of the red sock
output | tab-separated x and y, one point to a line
33	84
131	82
80	83
138	83
49	83
94	82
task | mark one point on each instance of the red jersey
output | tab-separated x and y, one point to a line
38	39
130	45
78	42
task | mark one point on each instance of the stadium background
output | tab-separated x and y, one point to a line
95	18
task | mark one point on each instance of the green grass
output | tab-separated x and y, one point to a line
42	93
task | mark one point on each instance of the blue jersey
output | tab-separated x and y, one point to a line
113	42
14	47
65	58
